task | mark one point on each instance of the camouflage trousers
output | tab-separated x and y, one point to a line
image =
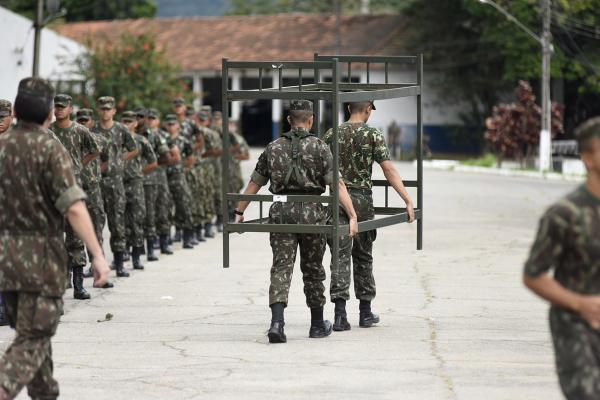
358	250
163	204
182	199
284	247
95	207
577	348
150	194
75	248
28	360
135	213
113	193
209	191
191	177
217	189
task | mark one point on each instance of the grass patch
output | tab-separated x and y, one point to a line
488	160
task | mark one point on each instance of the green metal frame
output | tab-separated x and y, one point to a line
338	93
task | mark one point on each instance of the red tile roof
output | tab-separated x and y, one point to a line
199	44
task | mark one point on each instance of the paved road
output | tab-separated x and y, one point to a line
456	321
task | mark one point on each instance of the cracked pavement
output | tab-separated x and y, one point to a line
456	322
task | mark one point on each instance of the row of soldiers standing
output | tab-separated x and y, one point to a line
143	179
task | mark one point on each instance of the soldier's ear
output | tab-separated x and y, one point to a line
289	120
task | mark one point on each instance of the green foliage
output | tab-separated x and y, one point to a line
133	71
487	160
90	10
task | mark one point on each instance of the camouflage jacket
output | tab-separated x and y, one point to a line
133	167
189	129
118	140
90	173
568	243
185	150
78	141
235	169
360	146
275	163
158	142
37	188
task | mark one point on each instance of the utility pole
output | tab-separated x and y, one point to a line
545	134
38	26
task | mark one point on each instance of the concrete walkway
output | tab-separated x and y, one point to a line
456	322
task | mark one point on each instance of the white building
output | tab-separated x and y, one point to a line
16	54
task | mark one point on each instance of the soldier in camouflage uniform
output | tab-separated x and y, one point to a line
359	147
216	125
118	141
83	148
567	242
297	163
238	154
37	191
211	161
133	175
5	115
184	158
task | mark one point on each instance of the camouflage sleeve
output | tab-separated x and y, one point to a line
90	143
327	158
327	136
261	175
61	180
548	246
147	152
128	140
381	152
187	148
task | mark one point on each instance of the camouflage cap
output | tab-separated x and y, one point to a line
203	115
301	105
153	113
178	101
5	108
36	87
140	112
83	114
63	100
171	118
217	115
207	109
189	112
128	116
106	102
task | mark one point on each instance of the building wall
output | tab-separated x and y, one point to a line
16	54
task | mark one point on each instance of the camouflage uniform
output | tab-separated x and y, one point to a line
218	167
212	168
79	142
135	208
315	173
36	190
567	242
360	146
118	140
178	185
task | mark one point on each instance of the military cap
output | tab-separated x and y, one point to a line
178	101
36	87
203	115
5	108
301	105
217	115
207	108
106	102
170	118
140	112
83	114
63	100
152	113
189	112
128	116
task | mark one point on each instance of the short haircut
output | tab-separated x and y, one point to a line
34	100
300	116
359	107
587	131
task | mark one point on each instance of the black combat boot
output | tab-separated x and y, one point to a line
219	223
200	234
193	240
79	291
150	249
340	322
164	245
126	255
178	236
208	230
319	328
366	318
135	257
3	319
276	334
121	271
187	239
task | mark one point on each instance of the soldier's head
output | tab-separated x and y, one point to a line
34	101
217	117
203	118
190	113
128	118
179	107
152	118
301	114
85	116
140	116
171	124
361	110
63	107
106	108
5	115
588	140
